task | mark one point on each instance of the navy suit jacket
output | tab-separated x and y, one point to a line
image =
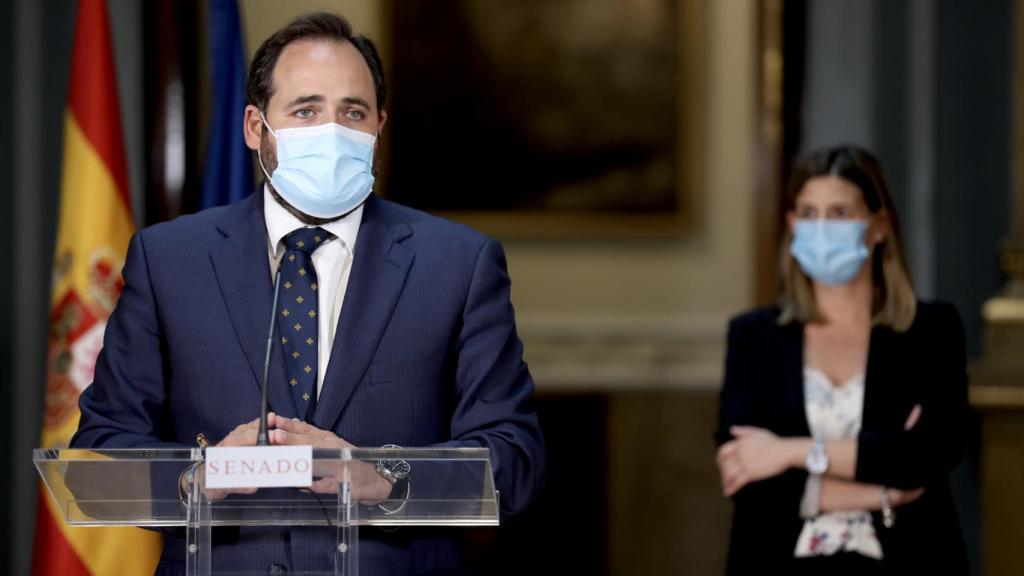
425	354
925	365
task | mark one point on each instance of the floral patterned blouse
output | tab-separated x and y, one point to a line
834	413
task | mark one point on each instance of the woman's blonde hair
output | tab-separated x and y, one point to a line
894	303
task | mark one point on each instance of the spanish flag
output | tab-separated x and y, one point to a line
93	233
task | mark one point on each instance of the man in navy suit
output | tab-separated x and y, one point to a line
394	327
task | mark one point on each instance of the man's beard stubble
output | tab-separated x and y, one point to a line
268	154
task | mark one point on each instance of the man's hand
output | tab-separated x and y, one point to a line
242	435
245	434
368	487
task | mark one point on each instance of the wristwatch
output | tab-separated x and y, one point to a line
817	459
396	472
393	470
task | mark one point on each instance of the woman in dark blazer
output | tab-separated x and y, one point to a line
842	411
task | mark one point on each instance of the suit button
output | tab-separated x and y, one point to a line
277	570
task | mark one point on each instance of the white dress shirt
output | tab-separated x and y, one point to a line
332	261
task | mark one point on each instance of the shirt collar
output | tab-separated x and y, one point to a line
281	222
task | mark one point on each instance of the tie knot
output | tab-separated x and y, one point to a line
307	239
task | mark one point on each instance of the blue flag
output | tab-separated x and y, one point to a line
227	175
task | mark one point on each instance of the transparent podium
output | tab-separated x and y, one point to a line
164	488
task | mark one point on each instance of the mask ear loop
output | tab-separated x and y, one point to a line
259	151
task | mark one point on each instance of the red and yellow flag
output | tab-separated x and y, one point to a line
93	233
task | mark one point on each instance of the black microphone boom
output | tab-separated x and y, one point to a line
262	436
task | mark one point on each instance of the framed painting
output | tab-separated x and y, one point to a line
548	118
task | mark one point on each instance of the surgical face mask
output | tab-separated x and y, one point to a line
324	171
830	251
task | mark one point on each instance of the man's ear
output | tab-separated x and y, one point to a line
383	116
253	127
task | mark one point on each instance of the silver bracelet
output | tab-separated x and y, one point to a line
888	515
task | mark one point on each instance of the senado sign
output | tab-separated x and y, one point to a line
259	467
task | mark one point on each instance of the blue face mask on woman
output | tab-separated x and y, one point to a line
324	171
830	251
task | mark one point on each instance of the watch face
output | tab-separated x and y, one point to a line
817	460
398	468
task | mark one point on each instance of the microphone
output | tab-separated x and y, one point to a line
262	438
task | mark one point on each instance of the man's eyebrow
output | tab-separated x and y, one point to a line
357	101
311	99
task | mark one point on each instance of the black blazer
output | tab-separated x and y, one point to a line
925	365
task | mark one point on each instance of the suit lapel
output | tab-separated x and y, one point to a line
243	273
378	274
879	343
793	378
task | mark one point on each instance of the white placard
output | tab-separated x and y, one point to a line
259	467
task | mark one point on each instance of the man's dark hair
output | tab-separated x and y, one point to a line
316	26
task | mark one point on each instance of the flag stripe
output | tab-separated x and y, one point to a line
92	94
88	219
57	557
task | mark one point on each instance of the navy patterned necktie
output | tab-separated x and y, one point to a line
298	321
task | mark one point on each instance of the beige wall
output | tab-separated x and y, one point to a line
262	17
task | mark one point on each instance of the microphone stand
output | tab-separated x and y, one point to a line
262	437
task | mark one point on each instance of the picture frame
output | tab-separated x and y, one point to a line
551	119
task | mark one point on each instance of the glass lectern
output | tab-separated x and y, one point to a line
165	488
